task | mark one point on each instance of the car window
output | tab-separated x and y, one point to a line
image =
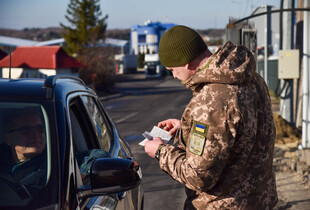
124	151
99	122
24	152
85	137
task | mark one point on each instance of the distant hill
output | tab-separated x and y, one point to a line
45	34
36	34
118	34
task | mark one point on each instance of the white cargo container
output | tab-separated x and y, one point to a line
125	64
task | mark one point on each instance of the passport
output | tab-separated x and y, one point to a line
156	132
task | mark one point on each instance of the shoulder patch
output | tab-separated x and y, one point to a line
198	137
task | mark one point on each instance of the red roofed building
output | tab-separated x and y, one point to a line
39	62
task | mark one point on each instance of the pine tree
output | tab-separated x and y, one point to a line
87	26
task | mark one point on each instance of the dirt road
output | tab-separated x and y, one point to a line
291	192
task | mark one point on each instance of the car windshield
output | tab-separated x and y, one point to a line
24	146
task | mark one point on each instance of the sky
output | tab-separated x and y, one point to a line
123	14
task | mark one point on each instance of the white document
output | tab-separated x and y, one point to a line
156	132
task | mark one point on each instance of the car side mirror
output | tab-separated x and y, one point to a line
112	175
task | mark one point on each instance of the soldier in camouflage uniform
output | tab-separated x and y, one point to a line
226	134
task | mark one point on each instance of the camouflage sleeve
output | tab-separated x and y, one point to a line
199	167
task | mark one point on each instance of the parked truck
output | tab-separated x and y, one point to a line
153	66
125	64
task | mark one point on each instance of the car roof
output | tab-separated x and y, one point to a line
25	88
39	88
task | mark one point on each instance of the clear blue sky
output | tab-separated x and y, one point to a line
198	14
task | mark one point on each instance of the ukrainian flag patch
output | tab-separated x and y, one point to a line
200	127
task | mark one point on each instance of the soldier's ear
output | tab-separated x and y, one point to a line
191	66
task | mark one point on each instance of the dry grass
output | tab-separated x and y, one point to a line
286	133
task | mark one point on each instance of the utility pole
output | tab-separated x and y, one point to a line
286	101
306	86
267	41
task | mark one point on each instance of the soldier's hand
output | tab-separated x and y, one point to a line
170	125
151	146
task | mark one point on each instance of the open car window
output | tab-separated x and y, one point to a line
24	152
87	136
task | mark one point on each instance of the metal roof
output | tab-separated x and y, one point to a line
14	42
51	42
113	42
47	57
9	41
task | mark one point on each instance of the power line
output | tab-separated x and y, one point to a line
271	11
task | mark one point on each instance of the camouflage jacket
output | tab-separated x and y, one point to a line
225	151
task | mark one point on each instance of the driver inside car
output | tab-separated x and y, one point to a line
23	155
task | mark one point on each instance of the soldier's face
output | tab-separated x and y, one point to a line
181	72
27	137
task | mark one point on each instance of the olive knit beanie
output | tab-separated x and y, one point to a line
179	46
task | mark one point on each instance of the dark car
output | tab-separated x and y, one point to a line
60	150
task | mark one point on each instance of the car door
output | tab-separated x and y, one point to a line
93	136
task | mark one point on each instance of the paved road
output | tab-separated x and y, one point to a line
141	103
137	107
